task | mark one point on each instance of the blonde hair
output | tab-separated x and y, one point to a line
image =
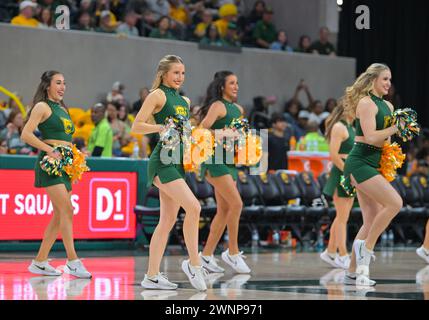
162	69
361	88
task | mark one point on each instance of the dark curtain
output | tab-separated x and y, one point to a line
399	37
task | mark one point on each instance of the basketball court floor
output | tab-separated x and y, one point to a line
276	275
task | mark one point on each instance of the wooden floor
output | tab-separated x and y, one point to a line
279	275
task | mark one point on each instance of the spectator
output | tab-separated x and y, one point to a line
241	6
265	32
301	127
143	93
123	115
101	138
330	105
159	8
45	18
128	27
257	12
304	44
117	7
120	135
323	46
163	29
318	112
278	142
291	111
116	94
3	119
84	22
26	13
313	140
231	38
282	42
212	36
200	29
228	13
178	12
106	24
12	134
258	117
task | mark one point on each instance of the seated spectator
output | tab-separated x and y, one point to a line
212	36
117	7
228	13
323	46
313	140
200	29
106	24
119	130
128	27
317	112
278	142
291	111
147	23
143	93
84	22
116	94
3	118
231	38
45	18
163	29
12	134
101	139
123	115
179	12
26	14
282	42
265	32
330	104
301	127
159	8
257	12
304	44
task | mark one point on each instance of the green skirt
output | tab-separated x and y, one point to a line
218	170
333	184
42	179
165	172
362	162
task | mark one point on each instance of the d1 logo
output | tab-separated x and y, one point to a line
109	205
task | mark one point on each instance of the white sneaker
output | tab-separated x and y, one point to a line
423	275
236	261
195	275
325	256
363	257
343	262
43	268
210	263
351	277
211	279
160	282
423	254
77	269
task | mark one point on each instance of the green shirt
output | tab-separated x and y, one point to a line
322	48
155	33
313	141
266	32
101	136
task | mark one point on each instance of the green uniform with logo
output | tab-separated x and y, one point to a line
221	169
167	172
333	182
363	161
58	126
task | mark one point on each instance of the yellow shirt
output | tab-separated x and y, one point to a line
200	29
179	14
20	20
222	26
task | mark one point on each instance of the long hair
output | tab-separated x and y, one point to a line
214	91
162	69
361	88
336	115
41	94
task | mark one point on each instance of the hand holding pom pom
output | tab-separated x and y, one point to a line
406	122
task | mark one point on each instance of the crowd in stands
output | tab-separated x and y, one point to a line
225	23
104	129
